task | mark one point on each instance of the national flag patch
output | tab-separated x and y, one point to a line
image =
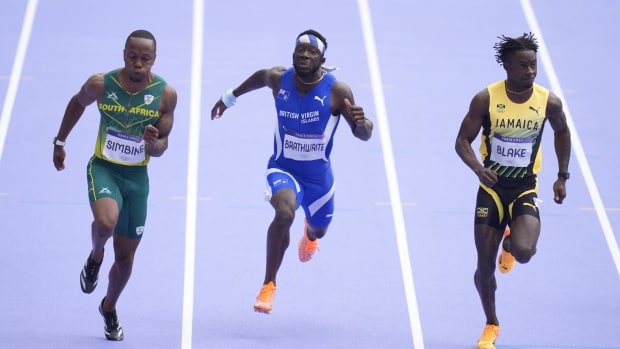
283	94
482	212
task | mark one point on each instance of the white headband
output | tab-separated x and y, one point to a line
312	40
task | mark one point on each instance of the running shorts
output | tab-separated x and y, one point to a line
128	186
499	205
314	194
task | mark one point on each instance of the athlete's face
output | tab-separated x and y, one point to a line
307	59
139	56
521	68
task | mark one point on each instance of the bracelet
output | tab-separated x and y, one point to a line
565	175
228	98
59	143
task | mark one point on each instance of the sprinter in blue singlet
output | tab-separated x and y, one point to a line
309	102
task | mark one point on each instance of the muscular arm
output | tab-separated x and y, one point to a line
562	143
261	78
342	102
156	137
470	127
89	93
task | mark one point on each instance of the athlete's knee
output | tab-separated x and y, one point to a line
484	271
523	254
484	280
124	259
284	216
485	266
103	227
318	233
124	264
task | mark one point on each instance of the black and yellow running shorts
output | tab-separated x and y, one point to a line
499	205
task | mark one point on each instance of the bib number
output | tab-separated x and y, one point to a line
511	151
304	146
123	148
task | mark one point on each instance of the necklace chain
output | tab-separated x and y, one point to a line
517	93
311	83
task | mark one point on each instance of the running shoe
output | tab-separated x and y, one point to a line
487	339
89	275
113	329
264	300
307	247
505	260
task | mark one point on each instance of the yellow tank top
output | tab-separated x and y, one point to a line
512	134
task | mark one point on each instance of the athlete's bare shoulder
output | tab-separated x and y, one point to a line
92	89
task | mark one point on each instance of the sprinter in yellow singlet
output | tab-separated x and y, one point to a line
511	114
136	108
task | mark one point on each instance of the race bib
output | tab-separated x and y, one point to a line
123	148
304	146
511	151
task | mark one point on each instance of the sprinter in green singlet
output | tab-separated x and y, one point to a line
137	112
511	114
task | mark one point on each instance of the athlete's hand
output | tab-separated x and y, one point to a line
487	177
356	112
218	110
151	135
559	190
362	127
59	157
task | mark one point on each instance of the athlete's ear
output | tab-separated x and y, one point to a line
322	60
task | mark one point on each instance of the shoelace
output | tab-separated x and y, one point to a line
311	246
489	334
111	320
92	268
266	293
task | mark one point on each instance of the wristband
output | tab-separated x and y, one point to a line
58	142
228	98
565	175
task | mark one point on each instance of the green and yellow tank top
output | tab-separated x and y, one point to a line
124	117
511	135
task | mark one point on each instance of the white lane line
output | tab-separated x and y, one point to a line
390	169
16	72
192	175
576	141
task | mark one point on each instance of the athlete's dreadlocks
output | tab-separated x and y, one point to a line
527	41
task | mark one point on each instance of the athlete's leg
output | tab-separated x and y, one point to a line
127	233
105	200
284	202
524	227
487	240
105	216
316	233
124	252
524	234
318	205
488	235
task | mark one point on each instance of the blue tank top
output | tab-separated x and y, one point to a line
303	139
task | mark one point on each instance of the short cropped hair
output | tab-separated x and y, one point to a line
144	34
